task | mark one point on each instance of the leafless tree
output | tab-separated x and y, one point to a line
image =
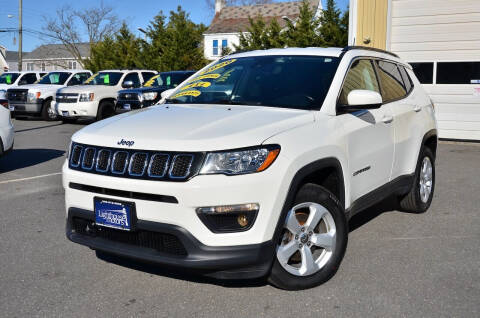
94	22
211	3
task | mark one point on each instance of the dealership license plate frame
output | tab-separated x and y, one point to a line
131	213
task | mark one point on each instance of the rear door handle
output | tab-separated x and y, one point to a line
417	108
387	119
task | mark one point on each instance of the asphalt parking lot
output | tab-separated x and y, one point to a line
396	264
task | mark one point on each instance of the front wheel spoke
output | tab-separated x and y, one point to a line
324	240
308	264
292	223
316	214
284	252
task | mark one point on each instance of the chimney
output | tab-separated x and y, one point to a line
219	4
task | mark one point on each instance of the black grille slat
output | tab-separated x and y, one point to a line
138	164
103	160
66	98
158	165
88	158
120	161
181	166
128	97
161	242
17	95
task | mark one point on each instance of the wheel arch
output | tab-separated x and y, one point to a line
430	140
107	99
323	172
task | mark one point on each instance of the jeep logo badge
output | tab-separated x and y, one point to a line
128	143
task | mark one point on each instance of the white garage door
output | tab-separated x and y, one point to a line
441	40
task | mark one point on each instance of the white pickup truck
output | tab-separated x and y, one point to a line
14	79
36	99
97	97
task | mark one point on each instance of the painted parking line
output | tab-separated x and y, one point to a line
31	178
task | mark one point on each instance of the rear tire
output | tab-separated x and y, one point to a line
48	113
419	198
105	109
312	245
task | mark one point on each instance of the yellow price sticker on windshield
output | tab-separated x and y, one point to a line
151	81
217	66
90	78
192	92
207	76
197	84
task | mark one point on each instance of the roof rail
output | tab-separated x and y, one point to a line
357	47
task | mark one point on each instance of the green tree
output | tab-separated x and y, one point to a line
260	36
304	32
333	28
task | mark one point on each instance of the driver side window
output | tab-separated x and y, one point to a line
361	75
134	78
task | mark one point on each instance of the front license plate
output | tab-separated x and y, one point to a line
114	214
11	107
65	114
126	107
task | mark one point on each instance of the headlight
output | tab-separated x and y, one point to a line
86	97
150	95
240	161
33	96
3	94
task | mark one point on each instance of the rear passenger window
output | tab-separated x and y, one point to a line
407	81
391	79
361	75
423	71
458	72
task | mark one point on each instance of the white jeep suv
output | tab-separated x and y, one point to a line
36	99
254	166
97	96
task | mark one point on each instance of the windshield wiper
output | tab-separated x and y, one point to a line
172	101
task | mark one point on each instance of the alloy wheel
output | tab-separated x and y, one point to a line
426	180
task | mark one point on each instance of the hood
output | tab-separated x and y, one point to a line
44	89
88	88
193	127
6	86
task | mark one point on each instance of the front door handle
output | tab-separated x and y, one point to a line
387	119
417	108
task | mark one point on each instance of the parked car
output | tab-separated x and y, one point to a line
36	99
14	79
255	165
6	130
150	93
96	98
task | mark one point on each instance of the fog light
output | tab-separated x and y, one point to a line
229	218
242	220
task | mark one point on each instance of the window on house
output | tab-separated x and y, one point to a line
72	65
29	66
458	72
224	44
423	71
43	66
215	47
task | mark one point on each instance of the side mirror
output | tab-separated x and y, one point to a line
127	84
360	99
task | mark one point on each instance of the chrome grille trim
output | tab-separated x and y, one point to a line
93	158
125	165
149	172
132	160
172	166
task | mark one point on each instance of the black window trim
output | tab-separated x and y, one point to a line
372	58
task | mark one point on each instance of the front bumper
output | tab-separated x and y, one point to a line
26	108
79	109
227	262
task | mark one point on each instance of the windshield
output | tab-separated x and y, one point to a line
169	80
8	78
104	78
299	82
55	78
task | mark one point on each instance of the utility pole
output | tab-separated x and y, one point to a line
20	35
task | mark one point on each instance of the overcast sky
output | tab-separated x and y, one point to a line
135	13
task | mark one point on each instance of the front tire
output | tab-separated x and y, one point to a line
48	113
419	198
105	109
313	241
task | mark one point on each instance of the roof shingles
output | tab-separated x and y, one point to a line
235	19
